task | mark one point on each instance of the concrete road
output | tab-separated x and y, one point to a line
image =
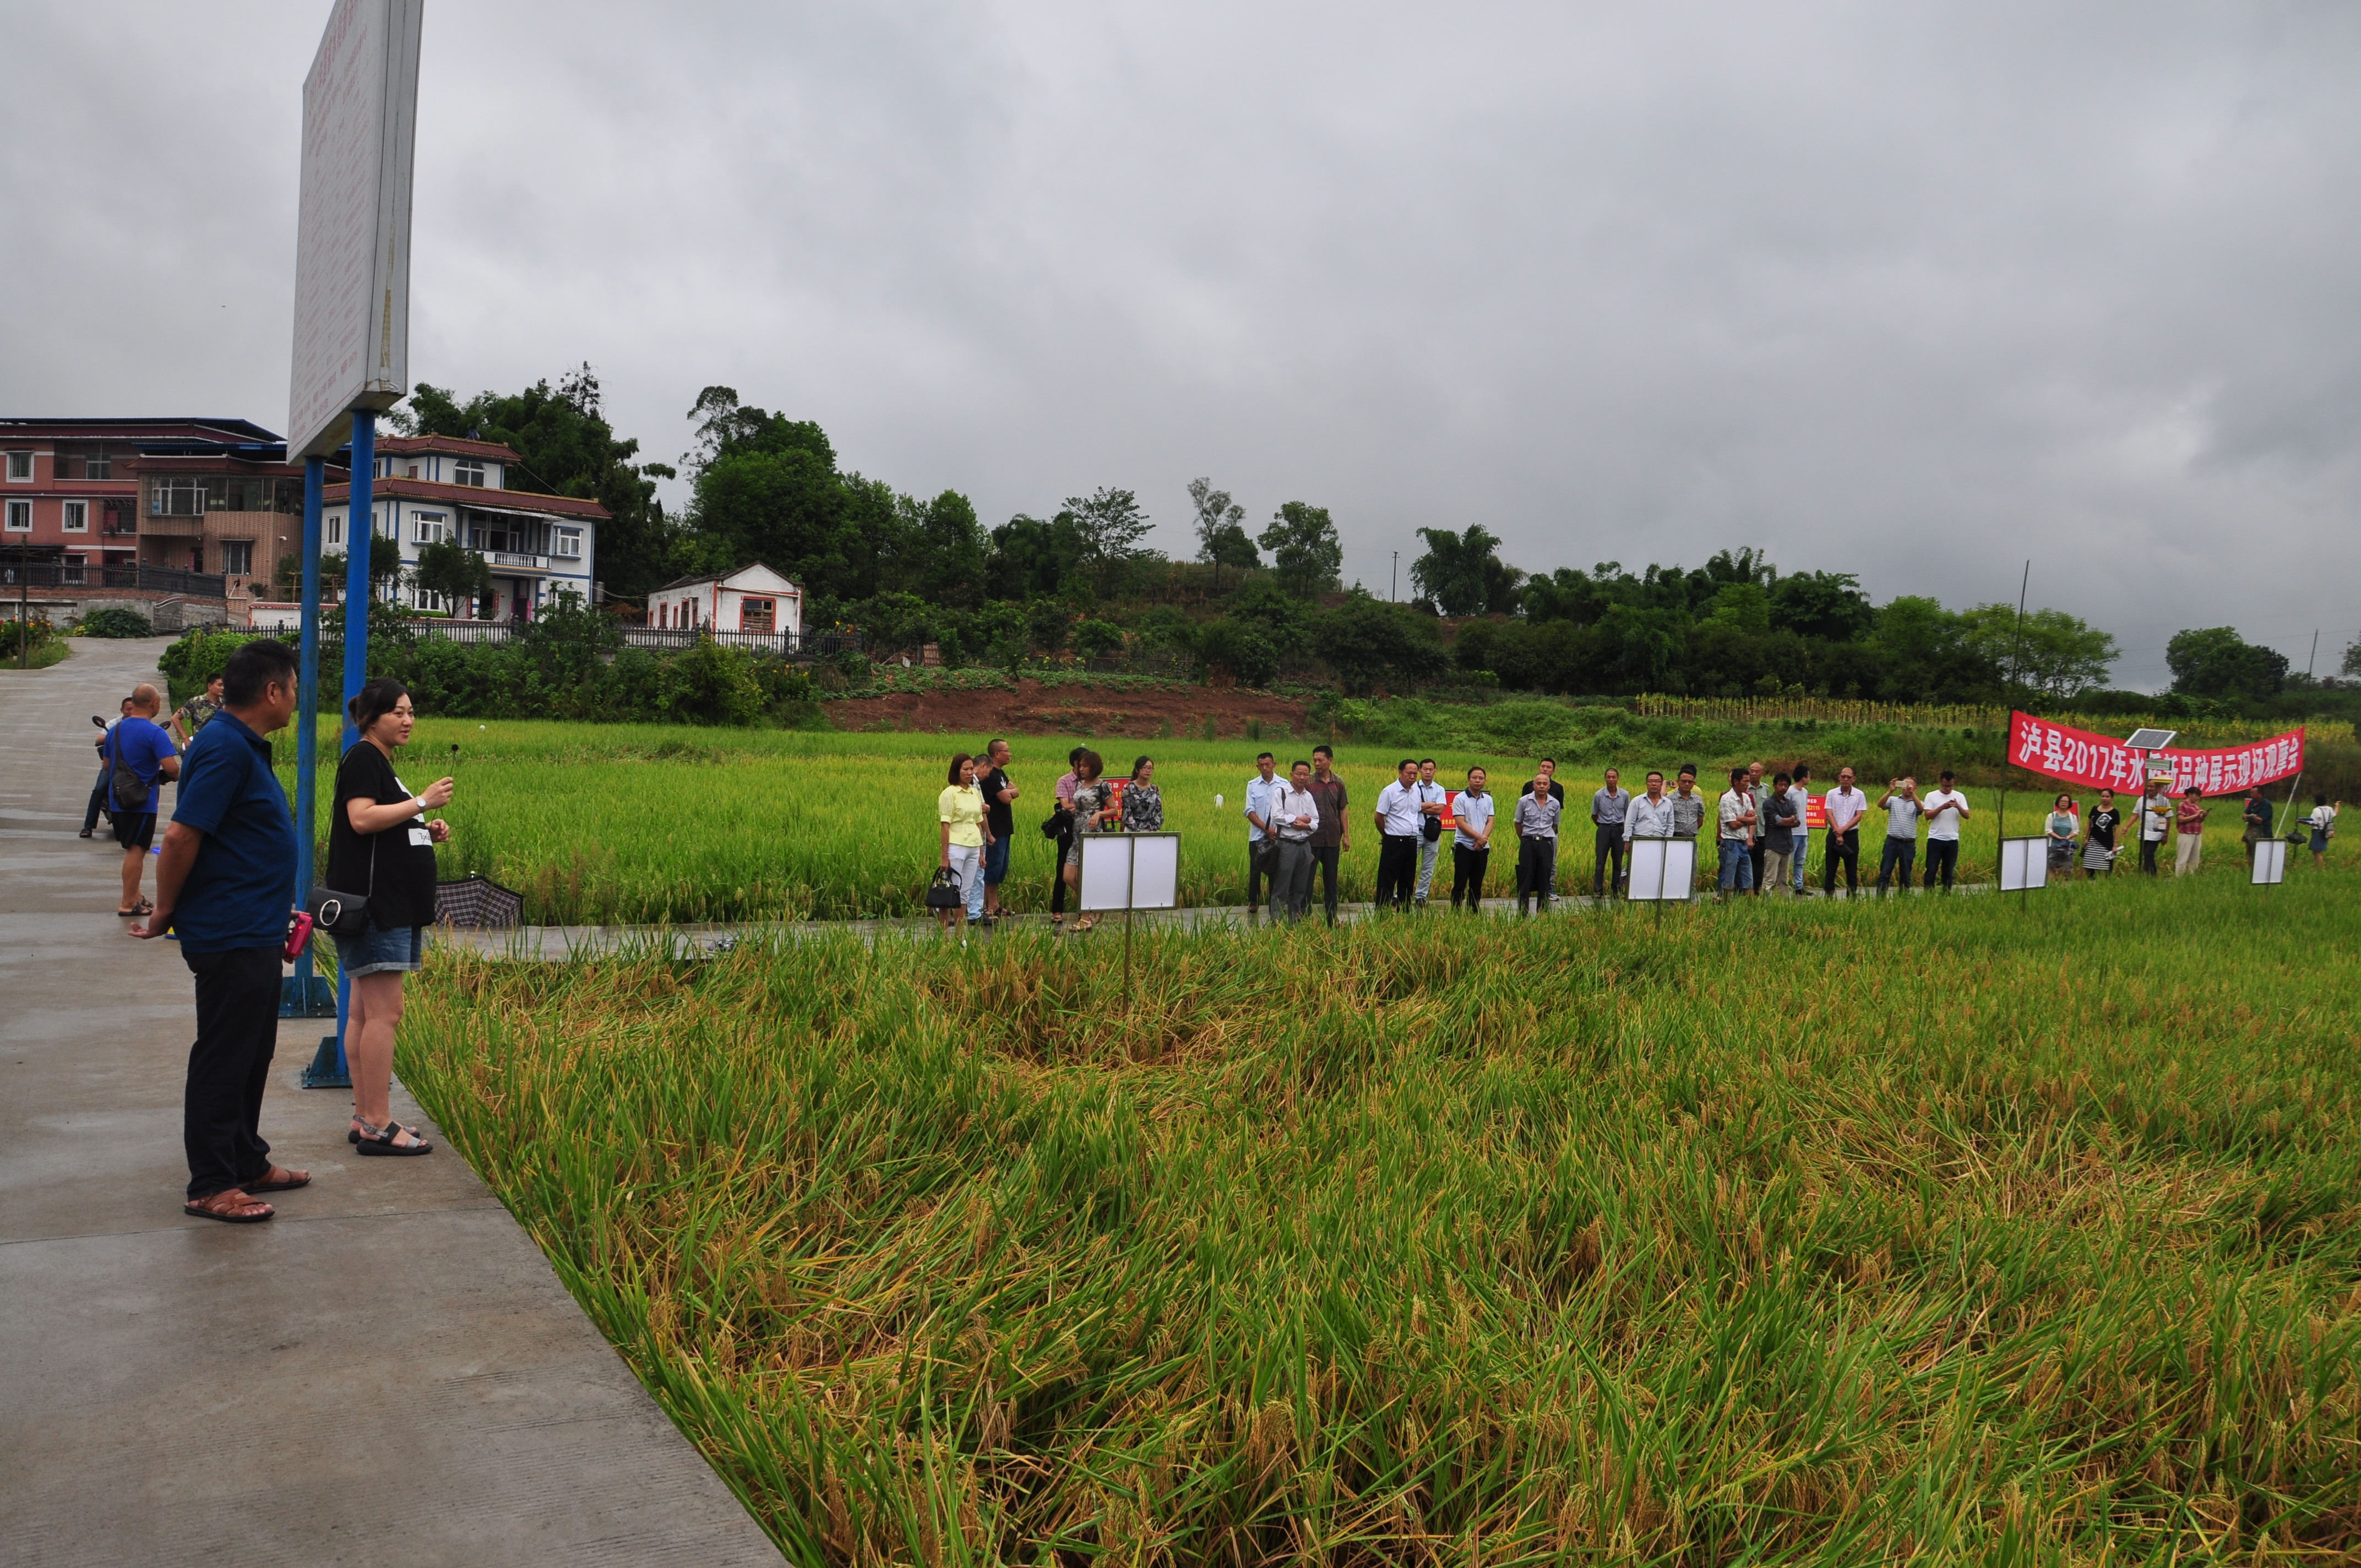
388	1372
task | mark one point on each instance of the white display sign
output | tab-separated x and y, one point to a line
2270	864
352	239
1662	868
1129	870
2024	864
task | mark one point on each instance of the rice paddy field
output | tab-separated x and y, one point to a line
600	823
1973	1229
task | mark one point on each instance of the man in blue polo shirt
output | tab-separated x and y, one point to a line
138	746
224	880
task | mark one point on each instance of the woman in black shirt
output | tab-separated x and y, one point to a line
381	846
2099	838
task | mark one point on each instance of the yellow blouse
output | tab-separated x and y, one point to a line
962	808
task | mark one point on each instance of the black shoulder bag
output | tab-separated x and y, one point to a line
130	791
343	915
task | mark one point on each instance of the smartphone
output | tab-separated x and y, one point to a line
299	936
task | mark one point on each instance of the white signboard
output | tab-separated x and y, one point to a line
352	239
2024	864
1662	869
1130	871
2270	862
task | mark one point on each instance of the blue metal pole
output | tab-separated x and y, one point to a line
328	1067
360	539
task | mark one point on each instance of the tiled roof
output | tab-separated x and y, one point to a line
450	446
471	495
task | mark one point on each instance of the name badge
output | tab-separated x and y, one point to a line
420	837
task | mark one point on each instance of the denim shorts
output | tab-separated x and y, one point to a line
399	950
996	862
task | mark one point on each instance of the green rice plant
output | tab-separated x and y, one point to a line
654	823
1972	1230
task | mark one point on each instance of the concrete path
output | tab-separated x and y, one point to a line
388	1373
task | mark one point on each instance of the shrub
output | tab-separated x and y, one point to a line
117	620
1096	639
196	658
1238	649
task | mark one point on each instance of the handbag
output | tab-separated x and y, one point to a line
1059	824
945	891
343	916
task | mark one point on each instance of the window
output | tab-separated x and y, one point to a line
429	527
468	471
89	463
569	544
77	517
121	517
20	517
176	498
332	531
20	464
756	614
237	557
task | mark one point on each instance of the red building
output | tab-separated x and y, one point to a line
84	502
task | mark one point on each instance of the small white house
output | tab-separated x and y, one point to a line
752	599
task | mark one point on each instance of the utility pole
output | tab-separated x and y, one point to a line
1393	593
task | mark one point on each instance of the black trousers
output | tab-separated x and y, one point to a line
1942	854
1758	851
2147	855
98	804
1325	858
1467	868
1606	843
1396	870
1262	869
237	1032
1536	871
1843	847
1898	852
1065	841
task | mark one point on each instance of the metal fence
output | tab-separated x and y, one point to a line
138	578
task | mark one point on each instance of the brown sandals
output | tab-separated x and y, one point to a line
231	1206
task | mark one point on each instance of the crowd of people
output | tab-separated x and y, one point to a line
225	872
1762	831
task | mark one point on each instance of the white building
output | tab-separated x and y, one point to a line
752	599
434	487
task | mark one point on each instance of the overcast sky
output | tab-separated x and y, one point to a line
1914	291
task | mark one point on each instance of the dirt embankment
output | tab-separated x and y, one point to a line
1034	709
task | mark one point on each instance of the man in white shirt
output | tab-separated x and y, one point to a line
1609	807
1736	834
1294	817
1650	816
1262	844
1398	817
1432	800
1946	809
1471	841
1844	806
1800	792
1902	807
2155	821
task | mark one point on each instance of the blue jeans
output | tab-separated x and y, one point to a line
996	862
1802	848
1737	865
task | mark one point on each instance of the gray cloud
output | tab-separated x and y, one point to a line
1915	292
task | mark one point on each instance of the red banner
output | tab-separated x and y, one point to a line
2102	762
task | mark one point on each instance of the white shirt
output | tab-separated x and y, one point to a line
1397	808
1802	798
1287	803
1736	803
2156	817
1942	824
1471	811
2323	817
1845	808
1259	793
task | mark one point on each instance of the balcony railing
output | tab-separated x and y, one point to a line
511	558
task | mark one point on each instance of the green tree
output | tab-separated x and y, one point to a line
1827	605
2052	654
458	574
1221	531
2351	665
1109	524
1236	649
1304	549
1463	573
2215	662
1367	641
939	550
385	567
566	447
